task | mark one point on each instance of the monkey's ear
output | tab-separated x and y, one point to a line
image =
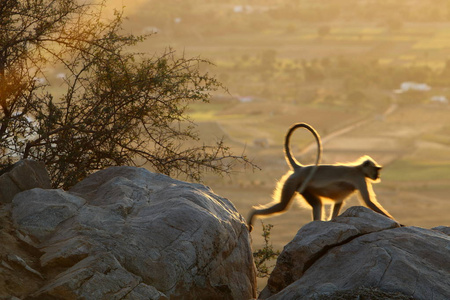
367	163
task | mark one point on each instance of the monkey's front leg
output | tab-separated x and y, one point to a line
315	203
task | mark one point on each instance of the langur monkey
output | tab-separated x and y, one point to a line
323	183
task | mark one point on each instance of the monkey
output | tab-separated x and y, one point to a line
320	183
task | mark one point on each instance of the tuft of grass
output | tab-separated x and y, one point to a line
264	255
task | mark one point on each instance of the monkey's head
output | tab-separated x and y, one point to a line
371	169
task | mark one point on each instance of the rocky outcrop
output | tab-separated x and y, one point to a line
361	248
22	176
127	233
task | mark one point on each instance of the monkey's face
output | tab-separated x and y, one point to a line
371	170
376	173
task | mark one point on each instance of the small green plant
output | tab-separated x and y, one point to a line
265	254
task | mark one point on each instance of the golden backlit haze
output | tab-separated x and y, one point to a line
372	77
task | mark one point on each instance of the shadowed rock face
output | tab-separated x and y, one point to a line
361	248
22	176
127	233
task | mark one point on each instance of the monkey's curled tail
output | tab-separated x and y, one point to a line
292	161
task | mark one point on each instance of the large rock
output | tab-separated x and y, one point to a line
361	248
22	176
127	233
39	212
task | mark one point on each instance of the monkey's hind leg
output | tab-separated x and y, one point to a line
287	193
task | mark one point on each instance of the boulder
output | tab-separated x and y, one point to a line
38	212
127	233
22	176
361	248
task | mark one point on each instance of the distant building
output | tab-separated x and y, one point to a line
412	86
246	99
150	30
243	9
439	99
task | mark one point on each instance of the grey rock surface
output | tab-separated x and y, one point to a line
361	248
38	212
127	233
22	176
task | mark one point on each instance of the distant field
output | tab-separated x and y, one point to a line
263	119
412	142
412	44
418	162
418	171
